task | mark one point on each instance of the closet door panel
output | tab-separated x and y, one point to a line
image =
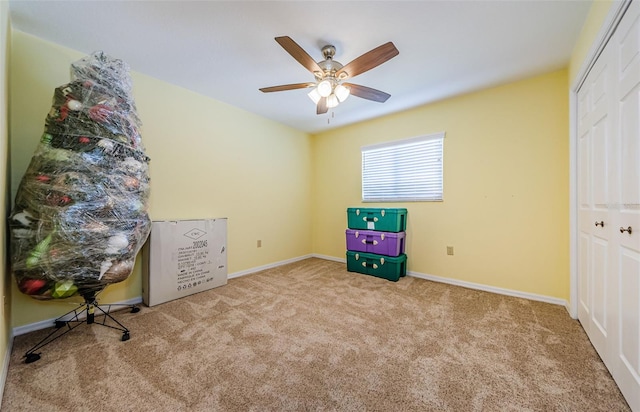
584	301
599	290
598	156
629	304
584	178
600	176
625	367
625	364
630	146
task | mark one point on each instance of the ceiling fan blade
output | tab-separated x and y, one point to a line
368	93
286	87
322	106
368	61
299	54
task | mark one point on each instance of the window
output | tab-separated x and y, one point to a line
408	170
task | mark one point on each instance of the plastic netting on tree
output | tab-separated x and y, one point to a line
80	214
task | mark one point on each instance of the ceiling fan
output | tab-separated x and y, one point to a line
330	87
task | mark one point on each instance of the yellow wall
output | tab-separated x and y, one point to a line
590	29
208	159
506	174
5	324
506	186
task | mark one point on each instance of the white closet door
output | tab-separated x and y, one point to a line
626	253
596	144
609	205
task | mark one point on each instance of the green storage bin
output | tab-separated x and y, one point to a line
381	219
386	267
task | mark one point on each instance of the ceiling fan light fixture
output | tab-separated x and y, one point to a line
341	92
314	95
325	88
332	101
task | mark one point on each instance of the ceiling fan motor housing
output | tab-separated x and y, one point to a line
328	65
328	51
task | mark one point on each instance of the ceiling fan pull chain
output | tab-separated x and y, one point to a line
332	116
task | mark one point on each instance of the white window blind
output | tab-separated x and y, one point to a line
406	170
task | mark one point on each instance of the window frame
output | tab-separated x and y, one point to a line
437	196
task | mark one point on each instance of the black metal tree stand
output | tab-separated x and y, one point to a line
84	312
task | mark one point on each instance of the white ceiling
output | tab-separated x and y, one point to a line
226	49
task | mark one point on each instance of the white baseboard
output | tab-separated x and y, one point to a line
43	324
326	257
264	267
471	285
492	289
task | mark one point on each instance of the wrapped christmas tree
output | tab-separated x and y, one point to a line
80	214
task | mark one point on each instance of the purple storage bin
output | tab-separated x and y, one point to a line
371	241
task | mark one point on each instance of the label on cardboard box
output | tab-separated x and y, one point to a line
184	257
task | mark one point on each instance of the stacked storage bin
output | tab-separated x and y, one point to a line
376	242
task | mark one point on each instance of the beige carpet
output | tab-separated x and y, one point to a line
311	336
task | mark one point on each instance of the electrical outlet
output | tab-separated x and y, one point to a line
259	243
450	250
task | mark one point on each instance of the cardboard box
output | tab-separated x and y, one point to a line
182	258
